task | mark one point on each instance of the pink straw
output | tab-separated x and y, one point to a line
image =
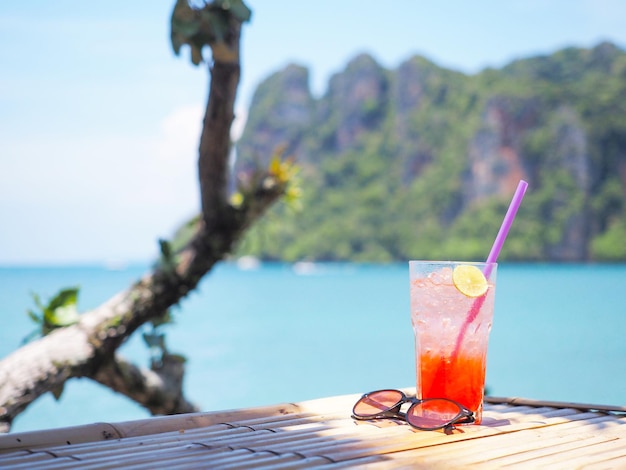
493	256
506	225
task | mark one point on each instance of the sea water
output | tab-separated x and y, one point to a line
280	333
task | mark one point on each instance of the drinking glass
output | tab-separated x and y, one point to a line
451	333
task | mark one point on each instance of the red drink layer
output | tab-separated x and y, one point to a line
450	353
462	380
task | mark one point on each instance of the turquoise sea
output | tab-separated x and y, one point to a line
279	333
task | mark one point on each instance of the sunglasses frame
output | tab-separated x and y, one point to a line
464	416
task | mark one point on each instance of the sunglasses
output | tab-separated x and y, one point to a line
428	414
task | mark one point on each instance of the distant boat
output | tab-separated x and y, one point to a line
115	265
304	267
247	263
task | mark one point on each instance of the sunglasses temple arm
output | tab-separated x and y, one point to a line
467	418
385	414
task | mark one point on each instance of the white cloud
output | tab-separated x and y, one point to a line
112	194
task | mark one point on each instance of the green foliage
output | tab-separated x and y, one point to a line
206	26
611	245
60	311
407	188
170	249
185	234
168	259
155	340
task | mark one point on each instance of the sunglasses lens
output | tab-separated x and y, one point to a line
376	402
433	413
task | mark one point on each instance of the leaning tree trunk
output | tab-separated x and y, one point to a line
88	348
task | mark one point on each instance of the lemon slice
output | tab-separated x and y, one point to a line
469	280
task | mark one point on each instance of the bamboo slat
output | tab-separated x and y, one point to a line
516	432
554	404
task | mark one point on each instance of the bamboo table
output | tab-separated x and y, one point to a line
321	433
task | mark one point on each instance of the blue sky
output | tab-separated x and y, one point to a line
99	120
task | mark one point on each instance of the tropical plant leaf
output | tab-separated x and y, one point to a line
239	10
64	316
37	301
205	26
34	317
64	298
154	339
217	24
62	310
185	234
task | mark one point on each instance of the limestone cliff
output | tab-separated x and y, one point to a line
436	150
